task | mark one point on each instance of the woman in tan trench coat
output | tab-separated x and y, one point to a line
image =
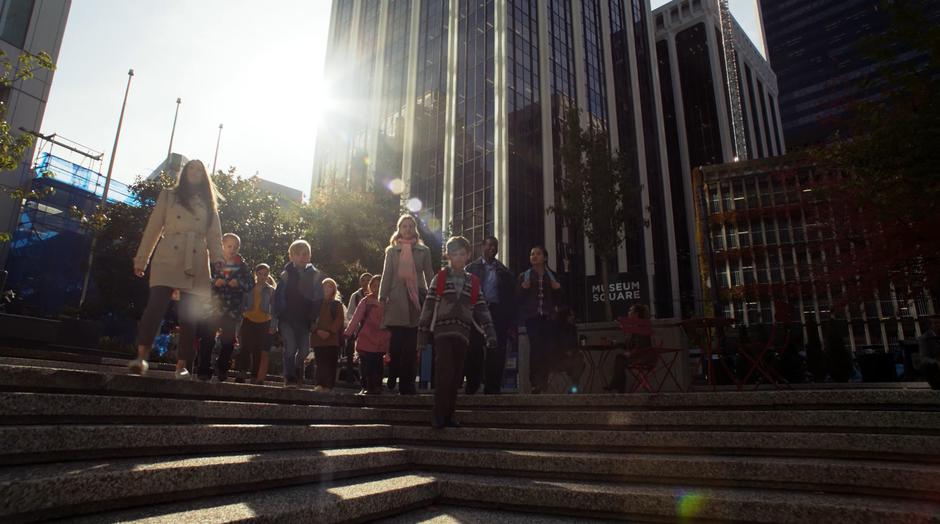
185	221
404	285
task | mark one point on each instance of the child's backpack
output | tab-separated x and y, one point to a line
439	290
474	286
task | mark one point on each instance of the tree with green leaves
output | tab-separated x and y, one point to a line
597	190
14	145
349	231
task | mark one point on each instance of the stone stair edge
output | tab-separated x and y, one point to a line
46	379
535	496
199	474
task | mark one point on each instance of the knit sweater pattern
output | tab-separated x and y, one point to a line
455	315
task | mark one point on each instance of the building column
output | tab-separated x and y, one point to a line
372	141
501	131
715	55
664	167
687	188
612	126
580	75
641	164
771	128
778	125
759	122
548	157
408	141
450	116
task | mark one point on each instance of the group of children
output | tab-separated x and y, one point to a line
307	310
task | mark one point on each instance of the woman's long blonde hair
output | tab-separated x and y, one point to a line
204	190
393	241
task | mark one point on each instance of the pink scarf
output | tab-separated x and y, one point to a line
406	270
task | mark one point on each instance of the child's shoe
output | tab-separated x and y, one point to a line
138	366
183	374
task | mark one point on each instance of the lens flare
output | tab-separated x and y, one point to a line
414	205
689	505
396	186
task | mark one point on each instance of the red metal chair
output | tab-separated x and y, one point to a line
649	357
758	363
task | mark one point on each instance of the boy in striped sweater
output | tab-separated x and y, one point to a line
454	306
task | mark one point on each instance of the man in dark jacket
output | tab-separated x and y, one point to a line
497	286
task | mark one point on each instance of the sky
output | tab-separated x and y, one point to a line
256	68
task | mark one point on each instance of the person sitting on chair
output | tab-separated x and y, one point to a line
635	353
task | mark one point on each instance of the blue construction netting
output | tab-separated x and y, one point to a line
83	178
49	248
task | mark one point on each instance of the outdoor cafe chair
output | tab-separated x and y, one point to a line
646	363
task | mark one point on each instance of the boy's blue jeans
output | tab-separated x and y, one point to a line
296	338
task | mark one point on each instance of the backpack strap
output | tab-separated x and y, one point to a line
474	289
441	282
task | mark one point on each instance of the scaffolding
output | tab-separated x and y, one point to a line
51	243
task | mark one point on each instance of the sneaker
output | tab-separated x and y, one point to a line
320	389
214	380
240	377
183	374
391	383
362	392
138	366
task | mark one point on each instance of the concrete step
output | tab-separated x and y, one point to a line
37	444
351	500
62	408
442	514
861	446
38	379
54	490
878	478
367	498
650	503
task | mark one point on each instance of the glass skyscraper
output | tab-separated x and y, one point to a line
816	49
460	106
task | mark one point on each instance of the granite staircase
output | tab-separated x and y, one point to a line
97	445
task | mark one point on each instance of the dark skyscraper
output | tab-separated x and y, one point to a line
459	105
822	70
697	111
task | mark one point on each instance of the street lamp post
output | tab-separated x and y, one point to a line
107	187
169	150
217	141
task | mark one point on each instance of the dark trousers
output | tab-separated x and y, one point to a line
157	303
403	350
326	357
541	333
371	366
254	338
449	355
487	365
229	326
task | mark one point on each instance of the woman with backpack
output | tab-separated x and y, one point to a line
537	297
